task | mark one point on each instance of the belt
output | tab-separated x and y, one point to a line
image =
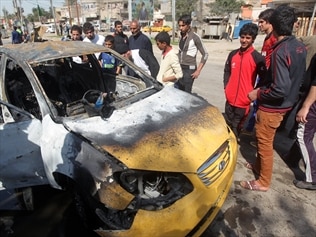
188	67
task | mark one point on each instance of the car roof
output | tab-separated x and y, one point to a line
48	50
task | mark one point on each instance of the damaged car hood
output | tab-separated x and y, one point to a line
155	135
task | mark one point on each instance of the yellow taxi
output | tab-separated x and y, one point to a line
143	160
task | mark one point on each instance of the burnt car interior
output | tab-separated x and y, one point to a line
19	90
66	84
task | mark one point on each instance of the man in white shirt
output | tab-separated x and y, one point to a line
91	36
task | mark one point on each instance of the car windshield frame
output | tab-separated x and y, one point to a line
39	65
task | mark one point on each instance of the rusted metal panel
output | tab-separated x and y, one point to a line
44	51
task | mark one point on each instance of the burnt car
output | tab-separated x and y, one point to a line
136	158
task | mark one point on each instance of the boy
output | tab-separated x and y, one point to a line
109	64
170	69
241	69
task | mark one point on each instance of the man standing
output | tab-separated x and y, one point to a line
241	69
190	43
277	93
76	33
306	117
229	32
266	51
90	35
142	58
138	40
15	36
119	36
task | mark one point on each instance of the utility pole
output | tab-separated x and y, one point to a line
53	12
69	9
173	12
77	12
130	10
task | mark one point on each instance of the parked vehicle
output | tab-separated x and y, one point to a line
147	161
4	33
156	28
50	28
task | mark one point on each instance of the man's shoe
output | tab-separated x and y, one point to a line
304	185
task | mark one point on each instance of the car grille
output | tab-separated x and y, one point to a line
215	165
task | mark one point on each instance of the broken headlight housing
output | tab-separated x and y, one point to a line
154	190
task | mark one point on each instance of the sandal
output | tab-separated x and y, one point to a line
253	186
250	166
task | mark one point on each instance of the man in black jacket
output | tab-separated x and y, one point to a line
142	58
119	36
138	40
276	94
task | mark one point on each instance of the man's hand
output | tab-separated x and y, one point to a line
253	94
301	115
195	74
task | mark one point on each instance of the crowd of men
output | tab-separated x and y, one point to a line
271	80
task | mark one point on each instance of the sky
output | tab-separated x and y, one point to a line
29	4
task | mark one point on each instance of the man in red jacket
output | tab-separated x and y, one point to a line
241	69
277	93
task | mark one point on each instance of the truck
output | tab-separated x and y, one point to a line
212	27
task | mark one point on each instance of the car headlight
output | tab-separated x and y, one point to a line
154	190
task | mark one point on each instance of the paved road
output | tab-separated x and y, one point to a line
282	211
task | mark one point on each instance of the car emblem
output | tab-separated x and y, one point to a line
222	165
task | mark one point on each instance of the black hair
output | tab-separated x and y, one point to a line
117	23
163	37
266	14
249	29
109	38
186	19
87	27
282	20
76	28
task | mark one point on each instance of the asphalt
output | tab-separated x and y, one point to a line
284	210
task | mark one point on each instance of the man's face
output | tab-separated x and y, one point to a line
183	27
75	35
119	28
89	34
264	26
134	28
245	41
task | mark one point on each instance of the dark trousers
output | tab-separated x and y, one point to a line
305	137
235	117
186	82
